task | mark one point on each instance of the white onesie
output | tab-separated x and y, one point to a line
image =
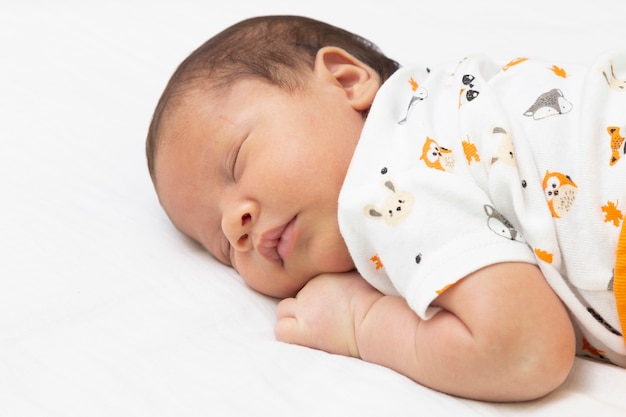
463	167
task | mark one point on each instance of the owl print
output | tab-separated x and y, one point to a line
437	157
560	192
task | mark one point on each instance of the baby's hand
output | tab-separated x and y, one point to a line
325	312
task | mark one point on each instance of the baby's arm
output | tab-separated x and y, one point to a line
502	334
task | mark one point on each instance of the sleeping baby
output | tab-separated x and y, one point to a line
461	225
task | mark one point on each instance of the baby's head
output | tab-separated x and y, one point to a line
252	138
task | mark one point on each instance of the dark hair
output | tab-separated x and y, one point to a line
276	49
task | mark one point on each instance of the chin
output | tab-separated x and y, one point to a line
280	286
280	291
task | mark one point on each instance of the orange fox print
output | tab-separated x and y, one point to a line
559	72
617	140
470	151
592	350
544	255
514	62
444	289
378	264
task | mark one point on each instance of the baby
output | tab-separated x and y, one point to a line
461	225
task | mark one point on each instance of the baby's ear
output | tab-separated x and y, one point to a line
358	79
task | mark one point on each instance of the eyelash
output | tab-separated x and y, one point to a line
235	161
233	169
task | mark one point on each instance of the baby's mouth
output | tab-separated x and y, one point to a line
277	244
287	240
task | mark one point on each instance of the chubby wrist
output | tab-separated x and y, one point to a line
364	307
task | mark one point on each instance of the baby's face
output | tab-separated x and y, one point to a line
255	178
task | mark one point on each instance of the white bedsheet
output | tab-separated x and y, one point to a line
106	310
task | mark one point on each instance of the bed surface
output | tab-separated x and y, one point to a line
106	310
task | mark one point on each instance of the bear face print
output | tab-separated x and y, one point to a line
396	207
615	83
505	153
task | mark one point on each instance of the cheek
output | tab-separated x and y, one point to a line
317	153
328	252
332	255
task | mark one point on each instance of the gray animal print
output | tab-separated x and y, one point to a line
548	104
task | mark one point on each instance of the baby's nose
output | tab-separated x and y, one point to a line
237	228
244	242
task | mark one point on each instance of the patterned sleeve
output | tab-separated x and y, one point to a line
415	218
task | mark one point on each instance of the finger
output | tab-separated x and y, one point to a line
286	308
287	330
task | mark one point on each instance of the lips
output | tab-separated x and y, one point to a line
277	244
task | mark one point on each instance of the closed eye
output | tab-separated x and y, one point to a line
234	163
